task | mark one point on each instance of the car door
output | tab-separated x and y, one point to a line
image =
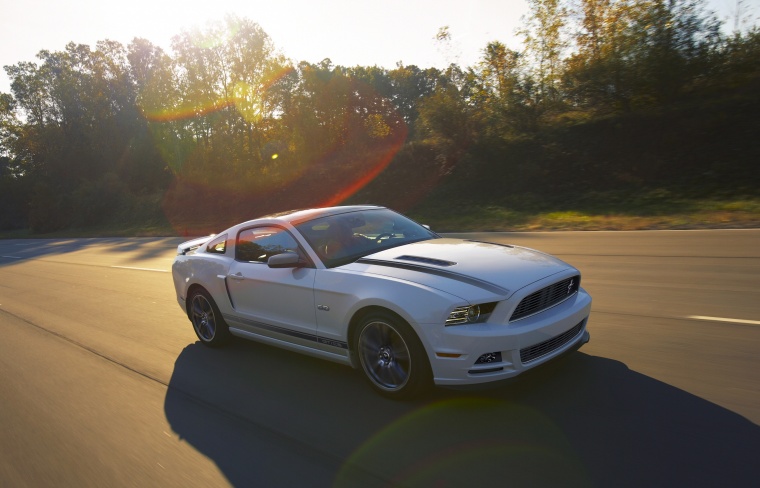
274	302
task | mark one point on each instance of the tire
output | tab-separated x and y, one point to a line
392	357
207	320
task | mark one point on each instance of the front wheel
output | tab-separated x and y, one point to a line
392	357
207	320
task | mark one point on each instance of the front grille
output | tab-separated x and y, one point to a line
546	297
539	350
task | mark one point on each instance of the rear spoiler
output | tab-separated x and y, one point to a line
192	245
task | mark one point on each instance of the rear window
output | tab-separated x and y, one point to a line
218	245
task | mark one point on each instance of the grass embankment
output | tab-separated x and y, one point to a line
709	214
641	215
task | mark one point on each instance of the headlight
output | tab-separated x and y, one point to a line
464	315
471	314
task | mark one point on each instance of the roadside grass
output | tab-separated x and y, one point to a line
659	215
654	210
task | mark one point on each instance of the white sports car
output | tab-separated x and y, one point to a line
370	288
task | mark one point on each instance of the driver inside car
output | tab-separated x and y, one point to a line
344	241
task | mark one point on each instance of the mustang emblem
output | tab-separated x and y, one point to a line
570	287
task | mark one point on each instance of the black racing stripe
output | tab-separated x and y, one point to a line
485	285
282	330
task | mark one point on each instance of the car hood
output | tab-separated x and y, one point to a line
456	265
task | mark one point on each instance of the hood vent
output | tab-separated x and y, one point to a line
434	262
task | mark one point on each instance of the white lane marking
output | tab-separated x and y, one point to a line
142	269
723	319
11	257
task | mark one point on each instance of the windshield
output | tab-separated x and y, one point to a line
344	238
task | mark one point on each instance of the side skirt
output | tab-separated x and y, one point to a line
318	353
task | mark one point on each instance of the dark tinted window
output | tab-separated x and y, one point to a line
218	245
343	238
259	243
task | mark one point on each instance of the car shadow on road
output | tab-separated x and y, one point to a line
269	417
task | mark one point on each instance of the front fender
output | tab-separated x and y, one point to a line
341	295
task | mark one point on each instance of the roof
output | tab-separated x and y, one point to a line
297	216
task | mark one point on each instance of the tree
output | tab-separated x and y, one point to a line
545	44
599	75
634	53
502	101
409	85
225	75
9	126
673	40
445	121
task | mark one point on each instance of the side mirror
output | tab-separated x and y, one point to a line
286	259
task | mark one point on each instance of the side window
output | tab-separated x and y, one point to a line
218	245
257	245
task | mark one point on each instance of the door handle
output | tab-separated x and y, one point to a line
237	276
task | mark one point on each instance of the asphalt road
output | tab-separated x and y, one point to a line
102	382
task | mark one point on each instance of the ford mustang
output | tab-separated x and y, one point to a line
372	289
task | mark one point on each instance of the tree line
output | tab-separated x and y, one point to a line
226	126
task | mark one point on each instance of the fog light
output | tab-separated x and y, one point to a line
489	357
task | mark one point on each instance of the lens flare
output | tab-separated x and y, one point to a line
246	97
218	183
367	172
467	442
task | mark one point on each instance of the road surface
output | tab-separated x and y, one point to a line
102	382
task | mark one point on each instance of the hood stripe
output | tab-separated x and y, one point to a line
485	285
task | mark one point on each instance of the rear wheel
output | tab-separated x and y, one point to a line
207	320
392	357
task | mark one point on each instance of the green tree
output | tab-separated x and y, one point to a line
156	142
545	38
446	119
9	125
503	103
674	40
409	85
599	75
738	66
12	199
225	78
634	53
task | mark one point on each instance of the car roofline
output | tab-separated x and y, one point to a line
295	217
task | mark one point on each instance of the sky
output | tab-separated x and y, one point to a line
349	32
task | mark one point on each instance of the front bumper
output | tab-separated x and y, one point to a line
496	383
510	349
